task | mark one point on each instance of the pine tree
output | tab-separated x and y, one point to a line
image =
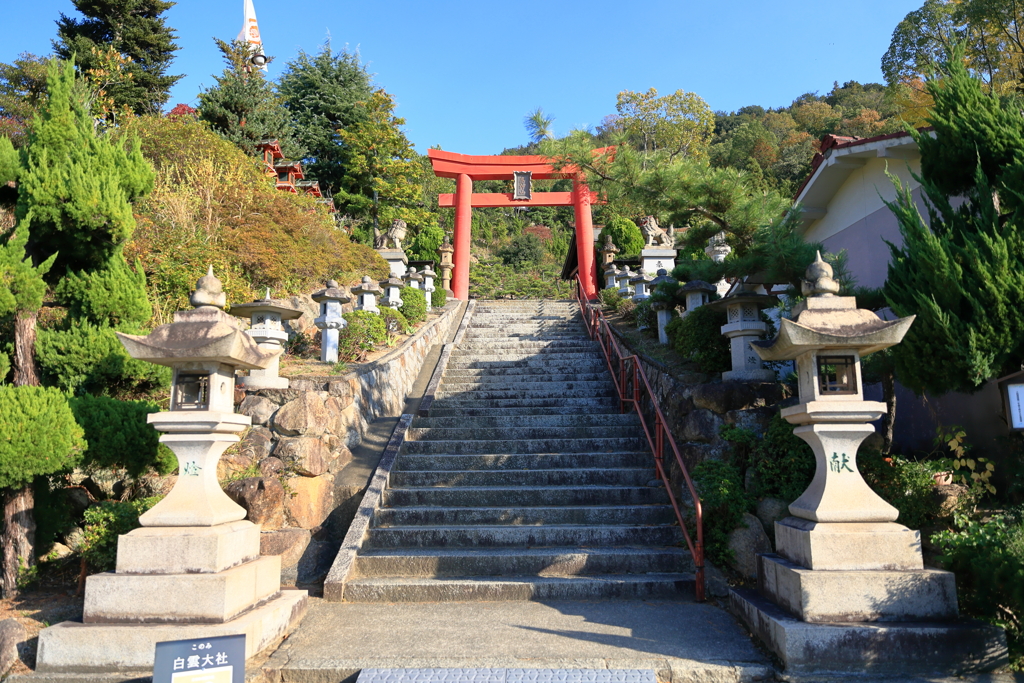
321	93
962	271
244	107
134	29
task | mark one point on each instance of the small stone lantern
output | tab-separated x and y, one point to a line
696	293
743	325
193	570
366	294
849	580
330	321
608	251
662	308
428	284
265	327
640	283
717	250
446	250
413	279
392	288
623	278
611	275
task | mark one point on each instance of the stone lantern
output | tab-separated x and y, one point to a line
608	252
193	569
366	294
446	250
623	278
640	282
717	250
330	321
743	325
428	284
850	582
662	308
611	275
696	293
265	327
392	288
413	279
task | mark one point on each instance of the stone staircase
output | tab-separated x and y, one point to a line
525	482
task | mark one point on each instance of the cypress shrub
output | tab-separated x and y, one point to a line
119	436
414	305
625	235
698	337
112	294
438	298
38	435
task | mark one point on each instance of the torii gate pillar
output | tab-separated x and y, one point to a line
463	227
581	199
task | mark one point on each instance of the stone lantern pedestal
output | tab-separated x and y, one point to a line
653	259
743	326
194	569
397	261
265	327
846	590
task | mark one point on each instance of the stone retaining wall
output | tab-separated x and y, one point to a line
301	442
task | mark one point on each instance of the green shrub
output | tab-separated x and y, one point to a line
5	366
394	321
907	485
439	297
364	332
110	295
86	358
523	251
699	337
783	462
496	281
610	299
988	559
414	305
644	315
38	434
723	501
104	522
627	309
626	236
119	437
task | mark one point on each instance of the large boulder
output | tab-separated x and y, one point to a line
258	408
288	543
311	501
701	425
305	455
305	415
771	510
746	541
262	498
12	634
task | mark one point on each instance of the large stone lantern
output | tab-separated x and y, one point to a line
331	321
428	284
446	265
265	318
743	325
847	590
194	569
392	289
366	293
696	293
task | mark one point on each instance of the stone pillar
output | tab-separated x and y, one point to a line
463	226
585	238
398	262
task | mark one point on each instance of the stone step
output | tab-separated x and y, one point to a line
574	404
517	385
524	461
506	334
562	363
506	446
489	356
565	344
588	390
519	588
506	536
595	514
576	420
610	407
538	432
631	476
533	496
498	379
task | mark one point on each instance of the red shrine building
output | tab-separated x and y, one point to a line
288	175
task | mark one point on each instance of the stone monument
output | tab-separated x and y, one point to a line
847	590
194	569
743	325
330	321
265	327
659	252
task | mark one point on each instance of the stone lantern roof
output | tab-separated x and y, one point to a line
413	276
826	321
202	335
742	296
333	292
698	286
392	281
368	286
265	305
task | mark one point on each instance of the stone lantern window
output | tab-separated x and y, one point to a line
191	391
837	375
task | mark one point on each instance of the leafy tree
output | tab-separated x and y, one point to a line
961	272
680	123
244	106
384	175
22	92
321	92
133	29
523	251
625	235
40	437
538	125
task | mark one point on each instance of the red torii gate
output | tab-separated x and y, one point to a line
465	168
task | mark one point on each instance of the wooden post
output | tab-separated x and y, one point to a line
463	223
585	238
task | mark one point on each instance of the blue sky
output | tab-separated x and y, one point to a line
464	74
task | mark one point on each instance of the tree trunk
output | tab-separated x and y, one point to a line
17	538
25	372
889	394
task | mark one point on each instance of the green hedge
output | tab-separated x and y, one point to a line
439	297
723	500
119	437
104	522
698	337
414	305
364	332
38	434
394	321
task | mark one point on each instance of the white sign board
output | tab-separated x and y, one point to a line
1015	405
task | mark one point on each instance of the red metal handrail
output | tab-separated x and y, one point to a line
632	387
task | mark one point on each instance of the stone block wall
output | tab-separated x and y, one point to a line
301	442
